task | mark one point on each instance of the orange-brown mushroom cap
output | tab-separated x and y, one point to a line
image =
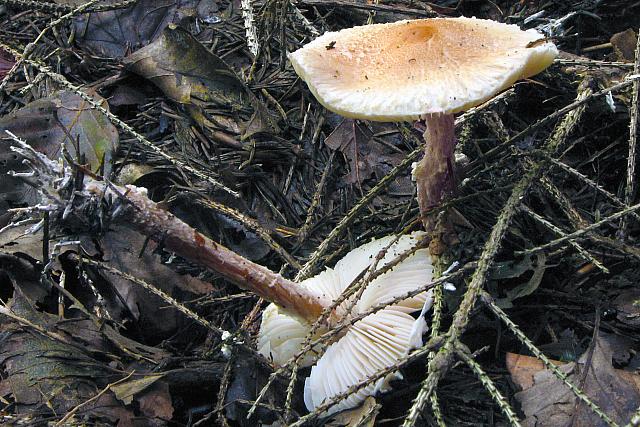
406	69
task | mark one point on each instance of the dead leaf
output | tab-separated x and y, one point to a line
22	240
6	62
155	401
123	249
624	45
125	391
548	402
248	378
523	368
527	288
115	33
366	156
46	124
132	172
64	118
189	74
47	375
362	416
13	267
627	304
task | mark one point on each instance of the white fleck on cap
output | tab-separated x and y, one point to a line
406	69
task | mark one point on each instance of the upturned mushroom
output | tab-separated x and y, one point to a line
375	342
424	68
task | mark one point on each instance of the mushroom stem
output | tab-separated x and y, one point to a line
434	173
160	225
130	206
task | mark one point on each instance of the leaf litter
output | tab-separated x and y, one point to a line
181	74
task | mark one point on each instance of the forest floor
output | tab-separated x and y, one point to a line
546	216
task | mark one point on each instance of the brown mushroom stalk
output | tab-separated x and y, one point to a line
434	174
146	217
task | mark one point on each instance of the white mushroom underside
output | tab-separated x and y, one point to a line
371	345
406	69
375	342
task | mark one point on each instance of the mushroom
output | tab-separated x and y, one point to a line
423	68
374	342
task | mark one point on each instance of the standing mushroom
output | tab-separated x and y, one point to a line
424	68
376	342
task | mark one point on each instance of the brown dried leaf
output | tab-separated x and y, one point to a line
122	249
624	45
22	240
155	401
523	368
46	124
126	390
362	416
627	304
548	402
48	375
28	273
6	62
366	156
114	33
189	74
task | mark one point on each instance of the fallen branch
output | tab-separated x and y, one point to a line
129	205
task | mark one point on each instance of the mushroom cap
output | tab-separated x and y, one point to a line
407	69
374	342
281	335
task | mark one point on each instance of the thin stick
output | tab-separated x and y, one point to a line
630	190
488	384
582	251
581	232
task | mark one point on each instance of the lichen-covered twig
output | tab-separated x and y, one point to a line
488	384
491	154
630	190
250	27
488	300
576	234
583	252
